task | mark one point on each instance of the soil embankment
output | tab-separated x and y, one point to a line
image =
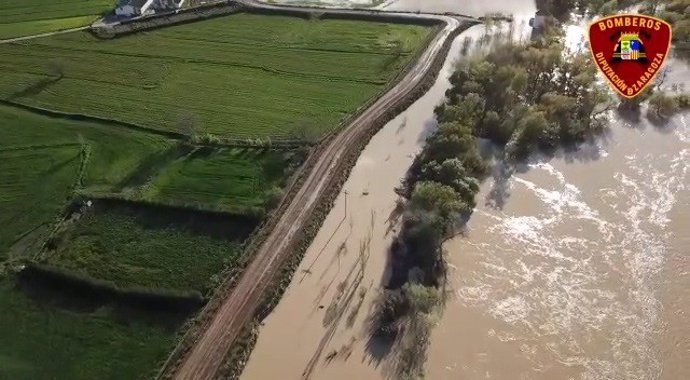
237	309
330	297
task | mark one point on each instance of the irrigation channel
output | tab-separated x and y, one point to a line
582	273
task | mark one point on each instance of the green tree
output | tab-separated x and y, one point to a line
531	128
453	173
436	197
450	140
421	299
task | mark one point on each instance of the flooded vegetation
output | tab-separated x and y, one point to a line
578	271
571	265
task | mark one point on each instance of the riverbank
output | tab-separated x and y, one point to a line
579	271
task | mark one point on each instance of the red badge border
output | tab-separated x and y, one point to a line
591	51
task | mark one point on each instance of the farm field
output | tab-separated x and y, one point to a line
45	343
150	248
26	17
235	180
40	158
241	75
34	185
188	209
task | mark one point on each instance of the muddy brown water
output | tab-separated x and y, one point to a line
582	274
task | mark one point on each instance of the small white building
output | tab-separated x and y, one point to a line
131	8
167	5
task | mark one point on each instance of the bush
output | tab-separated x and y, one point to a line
663	106
420	298
391	306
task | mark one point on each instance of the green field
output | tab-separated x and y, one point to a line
34	186
138	248
26	17
222	179
39	163
241	75
45	343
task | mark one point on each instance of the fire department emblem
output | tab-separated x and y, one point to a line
629	50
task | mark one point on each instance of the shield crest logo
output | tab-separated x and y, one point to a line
629	50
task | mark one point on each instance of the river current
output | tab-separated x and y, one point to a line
574	267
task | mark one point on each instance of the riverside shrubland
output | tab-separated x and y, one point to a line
522	97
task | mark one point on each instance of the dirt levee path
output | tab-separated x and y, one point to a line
237	309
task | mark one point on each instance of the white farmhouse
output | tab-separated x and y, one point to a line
130	8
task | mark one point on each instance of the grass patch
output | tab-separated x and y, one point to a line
34	185
115	152
39	163
222	179
26	17
241	75
43	343
134	246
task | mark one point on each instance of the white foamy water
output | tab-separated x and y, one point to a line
564	281
584	273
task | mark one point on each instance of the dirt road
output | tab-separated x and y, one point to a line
203	360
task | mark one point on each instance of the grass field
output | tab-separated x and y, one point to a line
222	179
241	75
139	248
26	17
39	163
34	186
45	343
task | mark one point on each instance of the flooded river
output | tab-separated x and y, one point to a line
583	273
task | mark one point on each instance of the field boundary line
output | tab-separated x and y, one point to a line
37	147
41	35
66	212
265	142
73	116
229	212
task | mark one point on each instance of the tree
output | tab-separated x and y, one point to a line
531	128
663	106
436	197
450	140
421	299
452	173
305	130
